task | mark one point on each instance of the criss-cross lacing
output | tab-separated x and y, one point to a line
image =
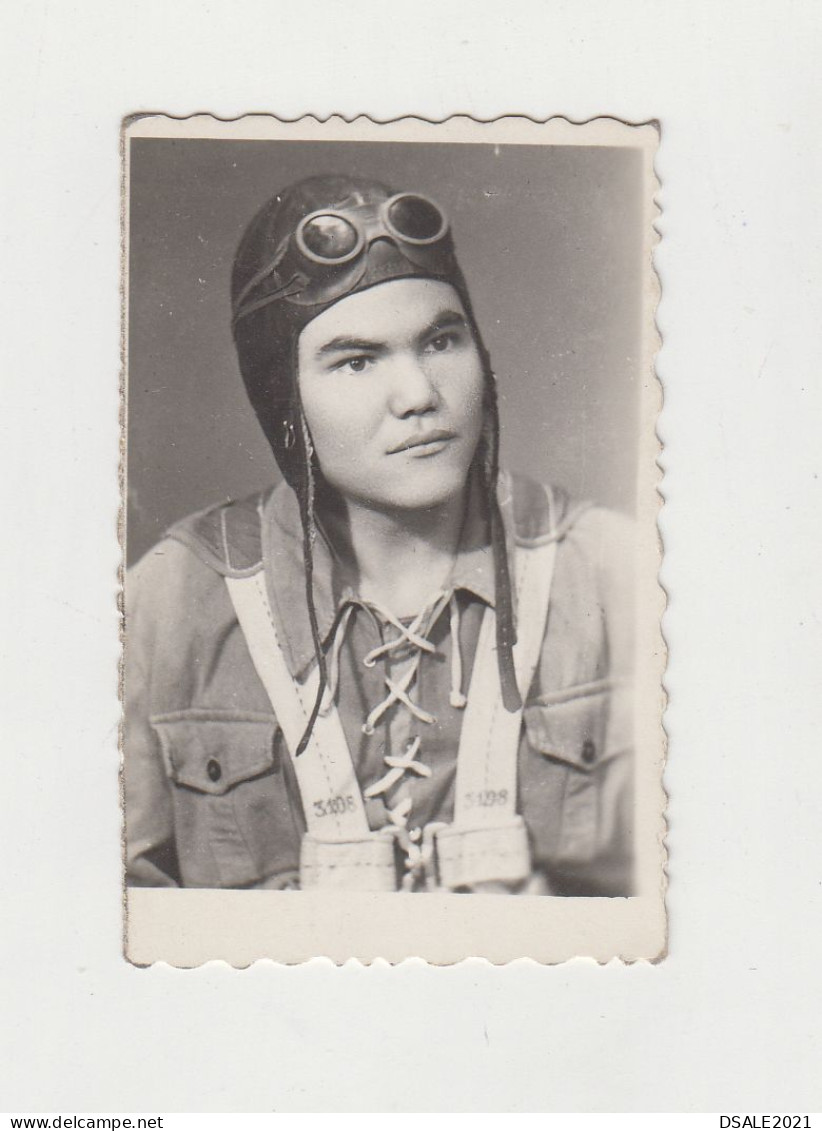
397	768
408	635
417	844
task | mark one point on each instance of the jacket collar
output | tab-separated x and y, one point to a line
282	557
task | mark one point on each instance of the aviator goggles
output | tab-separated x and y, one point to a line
326	255
335	236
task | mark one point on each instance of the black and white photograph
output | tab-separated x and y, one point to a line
411	620
391	613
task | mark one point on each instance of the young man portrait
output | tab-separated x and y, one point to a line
402	667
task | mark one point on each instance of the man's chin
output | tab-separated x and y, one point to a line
433	502
420	496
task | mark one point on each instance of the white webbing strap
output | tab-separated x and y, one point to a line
486	785
488	840
496	852
331	797
365	864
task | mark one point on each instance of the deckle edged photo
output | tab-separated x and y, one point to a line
392	679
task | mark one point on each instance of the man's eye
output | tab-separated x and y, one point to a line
442	342
354	364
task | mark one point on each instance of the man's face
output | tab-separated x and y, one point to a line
391	384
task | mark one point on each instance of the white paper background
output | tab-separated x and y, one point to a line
730	1020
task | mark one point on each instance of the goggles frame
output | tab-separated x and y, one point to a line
367	230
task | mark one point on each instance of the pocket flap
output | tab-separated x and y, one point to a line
214	751
583	728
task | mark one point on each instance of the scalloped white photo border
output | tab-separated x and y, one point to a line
186	928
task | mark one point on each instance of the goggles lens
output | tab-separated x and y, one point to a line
330	237
415	218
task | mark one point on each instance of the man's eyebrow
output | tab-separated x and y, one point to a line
444	321
344	345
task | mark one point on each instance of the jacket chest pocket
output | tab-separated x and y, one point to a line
227	791
580	742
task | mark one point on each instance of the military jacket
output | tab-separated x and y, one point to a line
210	794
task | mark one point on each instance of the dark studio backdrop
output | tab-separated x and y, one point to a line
550	241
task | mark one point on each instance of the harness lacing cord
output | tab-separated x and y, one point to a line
417	844
397	768
411	634
408	635
419	857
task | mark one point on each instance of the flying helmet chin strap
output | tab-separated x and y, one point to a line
305	496
505	626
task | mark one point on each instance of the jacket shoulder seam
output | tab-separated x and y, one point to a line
206	534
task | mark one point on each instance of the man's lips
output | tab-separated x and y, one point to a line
420	439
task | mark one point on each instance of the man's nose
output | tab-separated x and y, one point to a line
412	390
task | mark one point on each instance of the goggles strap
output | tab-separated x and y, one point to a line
283	291
262	274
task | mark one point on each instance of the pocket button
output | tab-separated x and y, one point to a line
589	751
214	769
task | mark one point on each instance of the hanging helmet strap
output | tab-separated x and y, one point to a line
305	496
506	630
